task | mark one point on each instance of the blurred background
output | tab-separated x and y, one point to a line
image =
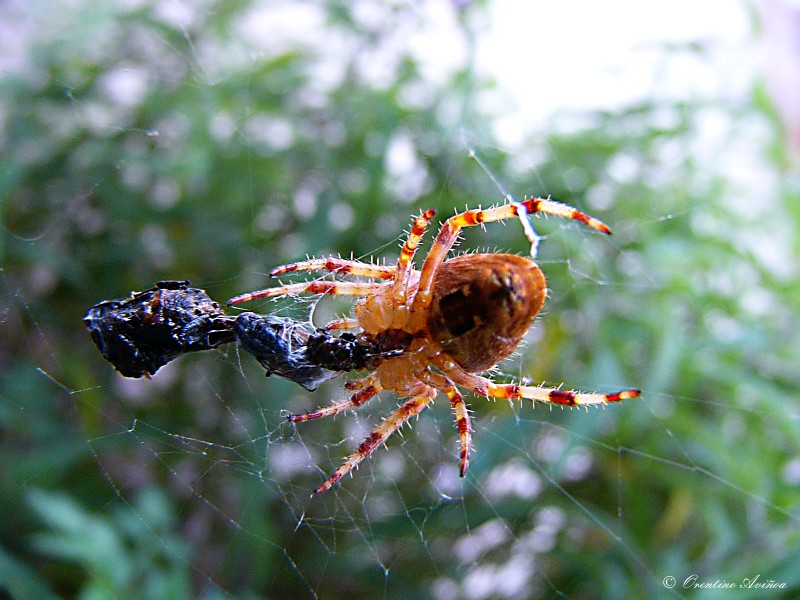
211	141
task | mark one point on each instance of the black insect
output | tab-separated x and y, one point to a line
143	333
309	356
281	346
355	352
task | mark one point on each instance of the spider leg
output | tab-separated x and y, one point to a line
366	389
345	323
380	434
547	395
559	209
448	235
357	384
352	288
461	412
407	253
556	396
333	264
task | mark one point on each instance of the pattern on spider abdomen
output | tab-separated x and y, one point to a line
482	306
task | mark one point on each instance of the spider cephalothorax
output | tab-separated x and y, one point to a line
421	332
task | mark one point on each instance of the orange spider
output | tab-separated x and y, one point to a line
450	320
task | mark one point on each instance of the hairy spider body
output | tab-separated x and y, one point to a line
482	306
430	330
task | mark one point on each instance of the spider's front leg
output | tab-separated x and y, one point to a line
349	288
423	396
363	390
403	267
334	264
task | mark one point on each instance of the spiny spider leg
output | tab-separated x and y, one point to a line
565	211
381	433
448	235
366	389
557	396
407	253
351	288
334	264
357	384
547	395
461	412
344	323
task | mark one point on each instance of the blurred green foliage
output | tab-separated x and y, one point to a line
140	145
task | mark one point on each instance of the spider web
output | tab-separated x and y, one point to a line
196	480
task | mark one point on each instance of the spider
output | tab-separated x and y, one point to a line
442	325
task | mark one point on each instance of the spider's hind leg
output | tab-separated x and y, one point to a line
551	396
547	395
461	413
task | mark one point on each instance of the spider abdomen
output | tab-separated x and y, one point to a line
482	306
